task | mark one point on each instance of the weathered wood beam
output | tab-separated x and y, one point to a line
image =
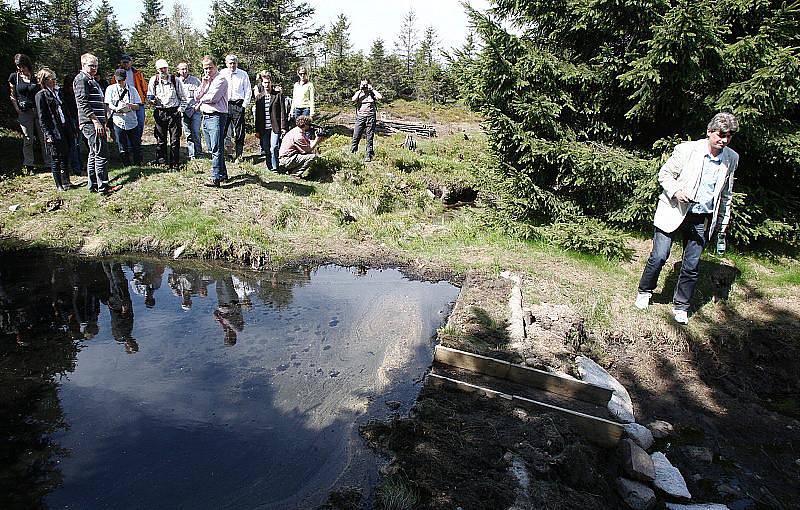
524	375
598	430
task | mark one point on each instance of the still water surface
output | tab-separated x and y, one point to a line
130	384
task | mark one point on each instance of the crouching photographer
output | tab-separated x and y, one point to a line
297	151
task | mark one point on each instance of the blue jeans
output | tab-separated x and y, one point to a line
140	126
271	146
693	230
75	152
128	144
191	126
214	131
296	112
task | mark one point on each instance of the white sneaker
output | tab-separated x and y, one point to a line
642	300
681	316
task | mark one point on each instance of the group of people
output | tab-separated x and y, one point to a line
210	108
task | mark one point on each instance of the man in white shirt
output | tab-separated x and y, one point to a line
239	94
124	102
166	94
191	119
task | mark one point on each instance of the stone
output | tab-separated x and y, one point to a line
636	495
635	461
640	434
668	478
393	404
620	406
699	453
661	429
726	490
698	506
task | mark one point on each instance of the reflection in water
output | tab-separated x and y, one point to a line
147	393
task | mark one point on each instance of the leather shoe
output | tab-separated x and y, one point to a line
211	184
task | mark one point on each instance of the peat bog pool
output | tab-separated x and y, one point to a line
144	384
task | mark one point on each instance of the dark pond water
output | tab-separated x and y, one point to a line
133	384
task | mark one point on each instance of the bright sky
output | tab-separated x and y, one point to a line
369	19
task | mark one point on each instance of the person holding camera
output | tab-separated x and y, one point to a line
297	151
58	131
23	87
271	118
123	100
167	95
365	99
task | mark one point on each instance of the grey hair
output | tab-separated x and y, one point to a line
723	122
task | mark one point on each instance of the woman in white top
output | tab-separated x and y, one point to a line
302	95
123	100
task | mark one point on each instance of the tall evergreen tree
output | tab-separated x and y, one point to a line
583	98
61	32
142	45
407	41
105	36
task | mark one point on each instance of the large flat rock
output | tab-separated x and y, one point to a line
668	478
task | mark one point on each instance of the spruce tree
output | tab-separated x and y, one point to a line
105	36
584	99
142	45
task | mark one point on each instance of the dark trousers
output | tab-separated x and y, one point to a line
59	152
236	125
364	123
97	162
128	145
168	125
693	230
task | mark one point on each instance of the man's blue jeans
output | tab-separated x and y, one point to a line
271	146
693	230
192	126
214	131
128	145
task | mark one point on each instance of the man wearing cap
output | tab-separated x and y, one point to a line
239	95
123	100
168	98
191	118
92	122
212	101
135	78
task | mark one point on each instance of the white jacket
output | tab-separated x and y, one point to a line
682	171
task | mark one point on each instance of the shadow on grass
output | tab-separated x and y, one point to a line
244	179
733	388
714	283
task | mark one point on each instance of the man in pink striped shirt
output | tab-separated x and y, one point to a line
212	101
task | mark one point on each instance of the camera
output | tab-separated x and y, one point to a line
321	131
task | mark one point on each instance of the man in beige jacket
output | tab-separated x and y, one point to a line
696	202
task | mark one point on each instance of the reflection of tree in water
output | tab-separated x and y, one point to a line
38	330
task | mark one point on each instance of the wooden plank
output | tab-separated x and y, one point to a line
439	381
598	430
523	375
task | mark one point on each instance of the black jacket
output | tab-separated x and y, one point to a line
50	120
277	113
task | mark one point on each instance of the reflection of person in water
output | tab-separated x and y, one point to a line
229	311
90	287
184	284
121	307
146	281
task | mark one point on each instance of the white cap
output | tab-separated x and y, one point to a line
161	63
